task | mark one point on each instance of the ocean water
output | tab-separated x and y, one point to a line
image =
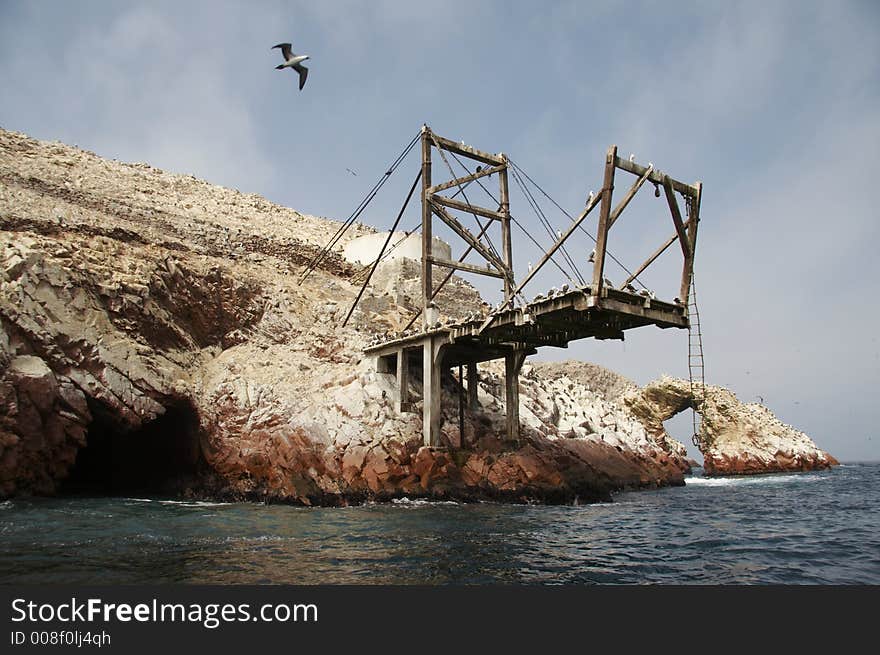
811	528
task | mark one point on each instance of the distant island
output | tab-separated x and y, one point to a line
153	339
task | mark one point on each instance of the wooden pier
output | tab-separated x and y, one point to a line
512	332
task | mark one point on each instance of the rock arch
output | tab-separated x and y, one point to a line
735	438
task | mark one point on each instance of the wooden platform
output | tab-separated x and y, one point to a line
555	321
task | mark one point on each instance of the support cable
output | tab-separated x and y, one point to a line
407	234
542	218
517	223
558	206
325	251
385	245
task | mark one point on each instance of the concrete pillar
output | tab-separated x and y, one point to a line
473	382
402	402
431	368
512	364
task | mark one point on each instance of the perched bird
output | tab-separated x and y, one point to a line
632	157
592	257
564	288
530	267
676	300
607	282
590	198
630	288
293	61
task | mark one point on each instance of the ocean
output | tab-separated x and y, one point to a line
809	528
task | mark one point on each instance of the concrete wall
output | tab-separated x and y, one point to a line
365	249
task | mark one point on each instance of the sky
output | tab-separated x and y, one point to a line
773	106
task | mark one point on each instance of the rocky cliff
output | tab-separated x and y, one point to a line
153	337
735	438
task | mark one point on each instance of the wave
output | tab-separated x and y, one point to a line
421	502
787	478
181	503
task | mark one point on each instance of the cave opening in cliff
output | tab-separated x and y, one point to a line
159	458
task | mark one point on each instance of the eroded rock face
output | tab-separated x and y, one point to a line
129	295
735	438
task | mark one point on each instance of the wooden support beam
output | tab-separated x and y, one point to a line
473	385
432	360
465	234
602	229
467	268
655	176
427	282
513	362
629	196
650	260
686	248
653	314
466	207
506	245
468	151
459	181
676	217
401	400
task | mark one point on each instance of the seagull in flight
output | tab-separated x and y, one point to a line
293	61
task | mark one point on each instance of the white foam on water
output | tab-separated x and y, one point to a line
192	503
420	502
791	478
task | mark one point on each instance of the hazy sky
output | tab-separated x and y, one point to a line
774	106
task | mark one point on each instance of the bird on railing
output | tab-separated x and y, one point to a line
590	198
630	288
632	158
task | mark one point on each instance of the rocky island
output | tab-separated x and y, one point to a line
153	337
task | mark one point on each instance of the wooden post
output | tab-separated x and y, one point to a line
686	249
506	246
512	363
473	385
431	369
427	236
692	242
460	406
604	212
402	403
